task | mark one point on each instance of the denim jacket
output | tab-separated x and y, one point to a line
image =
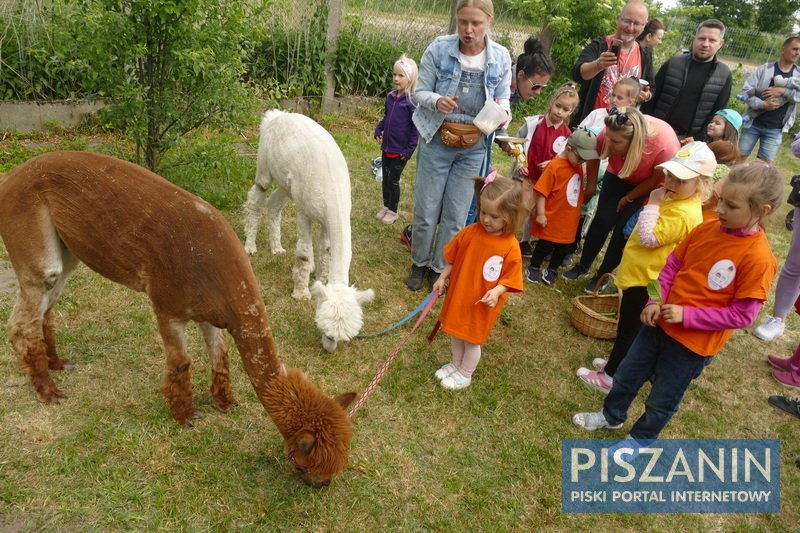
440	72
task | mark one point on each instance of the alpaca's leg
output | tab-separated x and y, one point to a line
252	209
277	200
217	346
324	250
177	387
304	259
54	362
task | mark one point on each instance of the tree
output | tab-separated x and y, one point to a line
174	66
778	16
771	16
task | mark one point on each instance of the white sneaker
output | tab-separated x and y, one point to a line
456	381
381	212
770	329
592	421
445	371
390	217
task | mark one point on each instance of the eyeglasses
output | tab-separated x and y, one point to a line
631	22
618	117
536	86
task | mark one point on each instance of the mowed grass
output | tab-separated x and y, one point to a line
487	458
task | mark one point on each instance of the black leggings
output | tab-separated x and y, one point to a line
605	219
633	301
542	247
392	167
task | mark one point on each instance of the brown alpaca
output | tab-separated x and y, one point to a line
135	228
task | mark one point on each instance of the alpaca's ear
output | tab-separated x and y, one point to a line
319	292
366	296
345	399
305	440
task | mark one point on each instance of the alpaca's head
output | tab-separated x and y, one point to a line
339	314
315	426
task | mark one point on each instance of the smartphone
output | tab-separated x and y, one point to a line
616	46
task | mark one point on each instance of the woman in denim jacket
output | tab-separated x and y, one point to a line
457	74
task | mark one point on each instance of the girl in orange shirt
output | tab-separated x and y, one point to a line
715	281
483	264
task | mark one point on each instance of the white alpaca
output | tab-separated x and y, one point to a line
307	166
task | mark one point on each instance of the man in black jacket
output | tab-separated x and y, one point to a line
691	87
602	64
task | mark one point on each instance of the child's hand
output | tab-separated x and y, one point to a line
623	203
379	138
492	296
650	315
672	314
439	286
686	140
657	196
543	164
523	172
541	219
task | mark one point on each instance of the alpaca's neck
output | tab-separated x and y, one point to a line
253	336
341	250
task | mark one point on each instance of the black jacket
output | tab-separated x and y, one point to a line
589	88
669	82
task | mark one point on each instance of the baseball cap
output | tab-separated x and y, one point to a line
731	116
692	160
585	143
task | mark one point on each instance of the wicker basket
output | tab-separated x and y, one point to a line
587	312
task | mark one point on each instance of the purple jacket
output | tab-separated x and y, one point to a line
400	136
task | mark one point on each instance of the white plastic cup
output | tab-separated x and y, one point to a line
490	117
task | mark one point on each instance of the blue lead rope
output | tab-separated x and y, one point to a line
408	317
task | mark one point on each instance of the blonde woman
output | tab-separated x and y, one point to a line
634	145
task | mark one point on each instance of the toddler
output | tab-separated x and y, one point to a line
546	136
397	134
671	213
483	265
724	126
559	196
715	281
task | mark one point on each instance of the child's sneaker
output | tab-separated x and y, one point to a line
405	236
790	379
592	421
596	380
770	329
593	284
381	212
445	371
533	274
786	404
577	272
549	276
599	364
782	363
456	381
390	217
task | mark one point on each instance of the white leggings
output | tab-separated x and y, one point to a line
466	356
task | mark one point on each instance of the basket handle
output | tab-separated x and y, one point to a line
600	284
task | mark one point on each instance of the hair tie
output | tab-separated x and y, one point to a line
406	68
489	179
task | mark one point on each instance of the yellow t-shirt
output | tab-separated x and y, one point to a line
639	265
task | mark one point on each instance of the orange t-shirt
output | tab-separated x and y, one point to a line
562	187
480	262
718	267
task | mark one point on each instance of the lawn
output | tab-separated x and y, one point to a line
486	458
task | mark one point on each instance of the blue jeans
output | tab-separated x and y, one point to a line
671	365
767	148
442	194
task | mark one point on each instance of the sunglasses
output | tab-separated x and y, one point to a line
536	86
619	117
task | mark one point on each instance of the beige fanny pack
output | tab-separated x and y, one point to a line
457	135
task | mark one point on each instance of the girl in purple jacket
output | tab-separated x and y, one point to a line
397	134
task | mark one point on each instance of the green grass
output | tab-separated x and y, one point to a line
487	458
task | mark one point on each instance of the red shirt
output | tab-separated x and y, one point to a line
546	143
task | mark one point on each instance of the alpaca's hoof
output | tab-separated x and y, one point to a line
250	249
301	295
196	415
225	406
278	251
60	364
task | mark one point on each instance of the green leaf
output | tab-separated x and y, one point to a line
654	291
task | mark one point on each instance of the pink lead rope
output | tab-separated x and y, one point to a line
382	371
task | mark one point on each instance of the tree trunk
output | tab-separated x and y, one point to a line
331	38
